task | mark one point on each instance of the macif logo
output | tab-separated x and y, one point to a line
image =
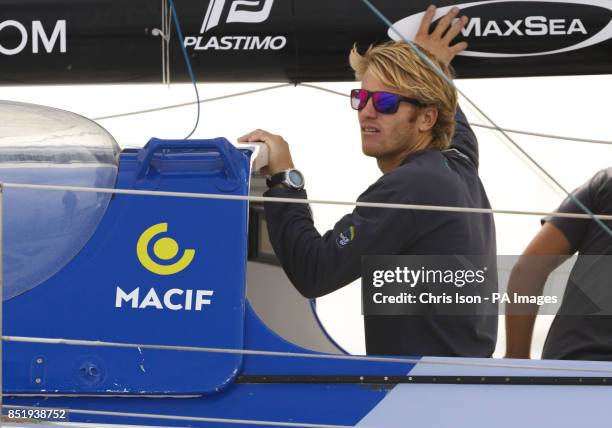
240	11
174	299
165	249
519	28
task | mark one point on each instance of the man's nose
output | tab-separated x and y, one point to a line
369	110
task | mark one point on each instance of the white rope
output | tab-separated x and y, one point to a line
342	94
539	134
479	125
206	100
321	88
164	33
168	30
439	362
604	217
186	418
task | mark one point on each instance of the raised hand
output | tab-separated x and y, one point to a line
438	42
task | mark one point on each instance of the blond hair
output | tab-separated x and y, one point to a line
396	65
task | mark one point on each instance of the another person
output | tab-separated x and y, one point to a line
582	329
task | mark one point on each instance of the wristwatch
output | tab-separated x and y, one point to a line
292	178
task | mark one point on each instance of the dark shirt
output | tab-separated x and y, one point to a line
318	265
574	334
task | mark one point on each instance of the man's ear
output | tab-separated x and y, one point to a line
428	117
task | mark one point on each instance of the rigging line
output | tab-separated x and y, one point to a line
187	63
164	34
163	40
479	125
205	100
313	307
186	418
530	166
436	362
539	134
321	88
169	30
249	198
331	91
437	70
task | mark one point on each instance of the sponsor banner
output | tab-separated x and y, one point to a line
478	285
68	41
164	261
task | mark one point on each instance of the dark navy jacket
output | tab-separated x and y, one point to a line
318	265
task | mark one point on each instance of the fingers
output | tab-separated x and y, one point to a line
446	30
459	47
250	137
445	22
254	136
455	29
245	138
426	21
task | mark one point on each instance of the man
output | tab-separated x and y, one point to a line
406	115
582	329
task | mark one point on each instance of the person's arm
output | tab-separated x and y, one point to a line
438	44
544	254
464	138
559	238
320	264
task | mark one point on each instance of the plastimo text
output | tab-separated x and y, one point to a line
227	43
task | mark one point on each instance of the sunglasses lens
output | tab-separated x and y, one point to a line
385	102
359	98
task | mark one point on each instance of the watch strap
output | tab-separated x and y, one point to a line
275	179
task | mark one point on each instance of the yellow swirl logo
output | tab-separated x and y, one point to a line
164	249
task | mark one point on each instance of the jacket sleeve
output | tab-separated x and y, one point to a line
319	264
464	138
588	194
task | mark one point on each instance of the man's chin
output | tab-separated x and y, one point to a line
371	150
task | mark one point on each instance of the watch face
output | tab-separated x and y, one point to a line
295	177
